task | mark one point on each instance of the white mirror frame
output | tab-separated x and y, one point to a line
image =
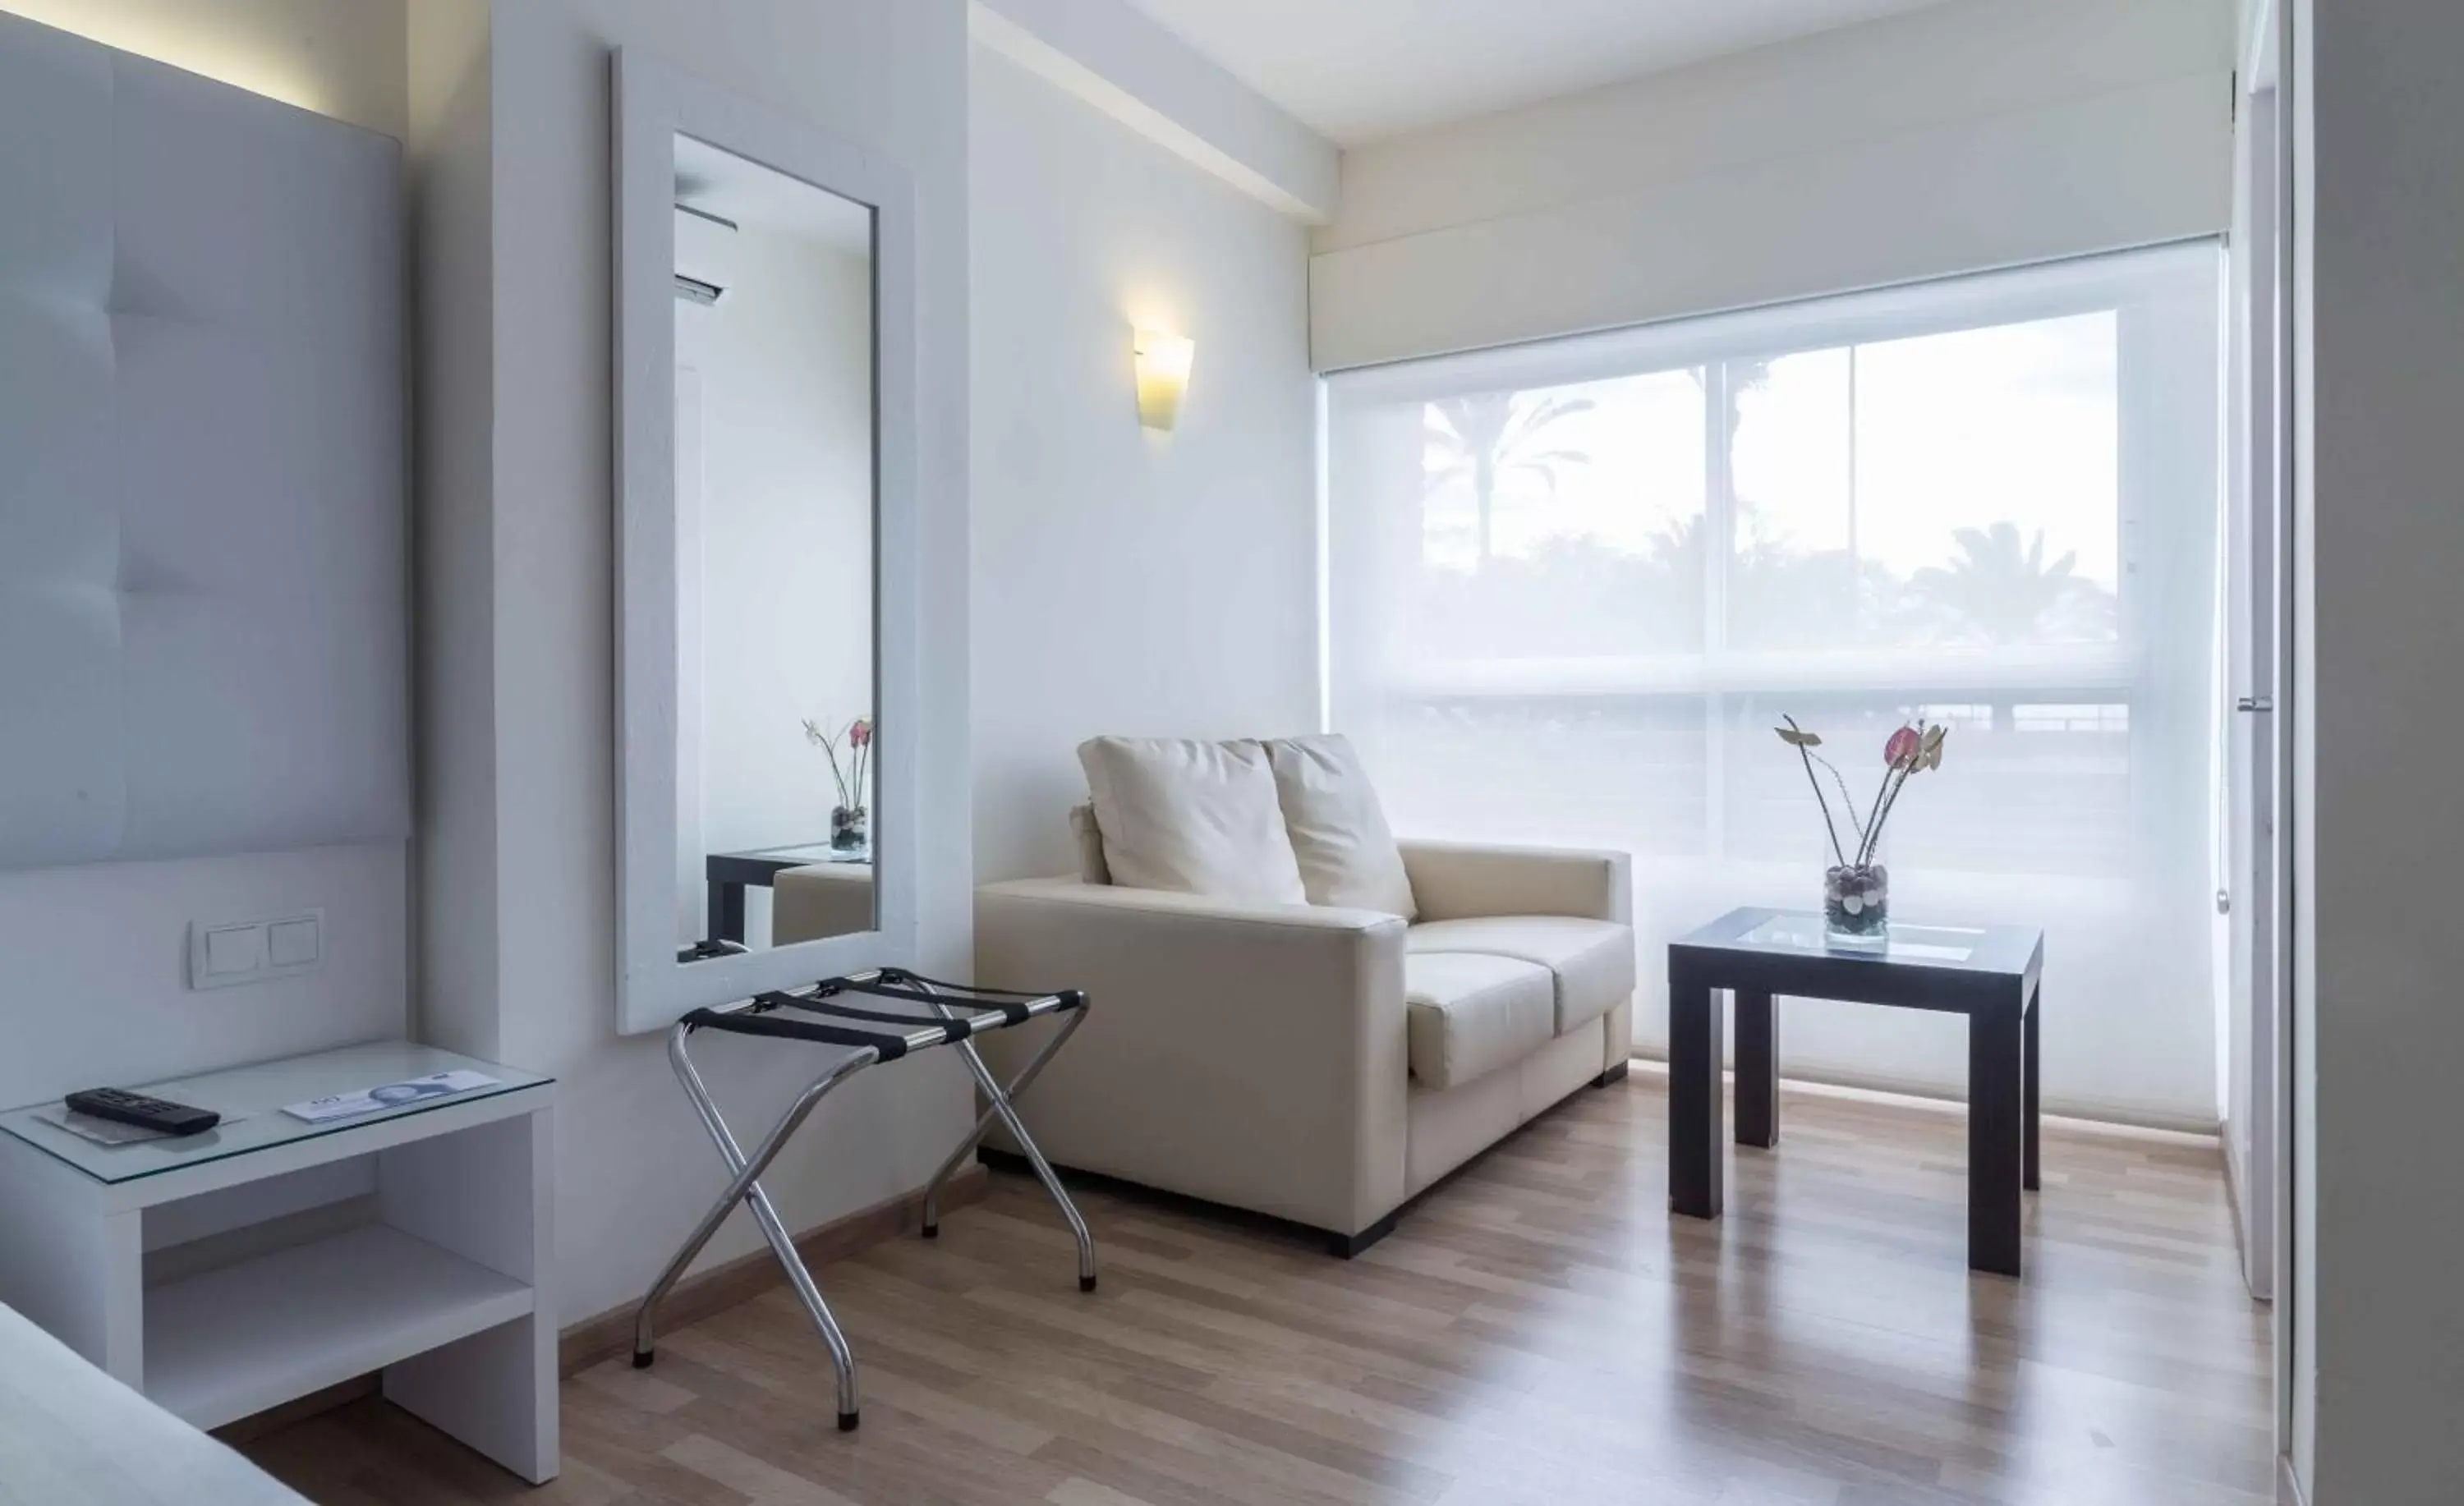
652	105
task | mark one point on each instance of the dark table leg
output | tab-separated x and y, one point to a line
2036	1007
1757	1070
1996	1134
726	911
1695	1142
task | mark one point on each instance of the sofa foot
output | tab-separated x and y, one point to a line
1615	1073
1343	1247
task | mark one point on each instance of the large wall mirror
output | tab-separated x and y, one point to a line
765	411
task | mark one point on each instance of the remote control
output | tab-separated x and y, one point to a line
121	1107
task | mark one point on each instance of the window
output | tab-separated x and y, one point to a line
1572	585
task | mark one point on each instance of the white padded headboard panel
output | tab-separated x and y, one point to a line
203	615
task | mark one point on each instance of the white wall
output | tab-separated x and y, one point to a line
342	59
99	953
1126	581
2379	221
1953	138
518	620
1124	62
98	966
454	550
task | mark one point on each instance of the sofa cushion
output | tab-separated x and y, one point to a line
1196	816
1470	1014
1346	851
1592	960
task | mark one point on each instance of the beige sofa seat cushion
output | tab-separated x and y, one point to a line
1592	960
1338	830
1196	817
1469	1013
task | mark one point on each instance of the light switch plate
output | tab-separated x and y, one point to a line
225	954
293	944
235	952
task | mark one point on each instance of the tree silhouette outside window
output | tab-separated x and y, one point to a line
2004	591
1491	436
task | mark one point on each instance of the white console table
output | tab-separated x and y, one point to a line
292	1257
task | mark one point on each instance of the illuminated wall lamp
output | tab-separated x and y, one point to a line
1163	376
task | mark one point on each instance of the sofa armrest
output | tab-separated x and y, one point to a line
1467	880
1247	1053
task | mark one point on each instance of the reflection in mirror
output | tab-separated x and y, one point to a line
774	341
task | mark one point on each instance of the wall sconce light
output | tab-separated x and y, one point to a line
1163	376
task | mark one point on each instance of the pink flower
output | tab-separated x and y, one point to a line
1903	745
859	732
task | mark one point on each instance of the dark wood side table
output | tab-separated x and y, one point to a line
727	873
1989	973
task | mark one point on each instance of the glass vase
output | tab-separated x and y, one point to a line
1856	904
848	829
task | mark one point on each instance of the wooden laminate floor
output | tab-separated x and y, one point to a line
1538	1331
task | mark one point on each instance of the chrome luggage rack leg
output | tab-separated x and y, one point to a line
871	1037
1001	1103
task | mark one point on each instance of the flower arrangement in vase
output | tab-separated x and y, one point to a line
1857	888
849	832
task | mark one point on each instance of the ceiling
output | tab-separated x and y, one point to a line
761	198
1361	69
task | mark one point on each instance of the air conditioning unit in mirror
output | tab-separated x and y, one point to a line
704	254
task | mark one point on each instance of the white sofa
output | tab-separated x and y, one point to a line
1319	1064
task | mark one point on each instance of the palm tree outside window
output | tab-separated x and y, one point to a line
1492	437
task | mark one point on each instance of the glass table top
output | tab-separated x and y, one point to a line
806	853
1804	932
251	1100
1801	933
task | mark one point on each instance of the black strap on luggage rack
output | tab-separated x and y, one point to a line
955	1012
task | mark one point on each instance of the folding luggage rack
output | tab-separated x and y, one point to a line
950	1012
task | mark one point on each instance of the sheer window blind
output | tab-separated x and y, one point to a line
1572	586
